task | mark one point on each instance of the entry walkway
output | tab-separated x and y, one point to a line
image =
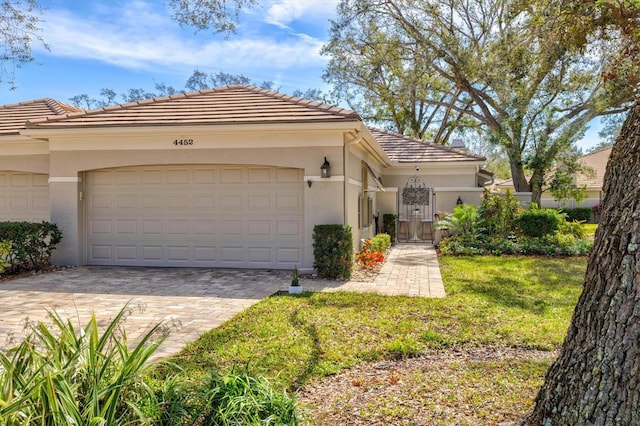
188	300
410	270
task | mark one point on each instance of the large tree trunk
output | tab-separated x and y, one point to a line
518	177
596	379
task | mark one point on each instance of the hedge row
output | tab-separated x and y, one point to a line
333	251
29	245
578	214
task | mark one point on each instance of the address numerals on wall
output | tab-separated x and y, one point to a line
183	142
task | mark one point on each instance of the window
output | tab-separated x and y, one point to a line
365	204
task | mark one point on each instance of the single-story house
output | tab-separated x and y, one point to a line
592	180
235	176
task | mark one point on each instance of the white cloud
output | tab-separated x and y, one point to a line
283	12
140	36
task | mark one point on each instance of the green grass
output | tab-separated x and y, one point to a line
590	229
491	300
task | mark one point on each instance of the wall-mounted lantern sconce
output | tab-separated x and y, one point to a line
309	182
325	169
459	201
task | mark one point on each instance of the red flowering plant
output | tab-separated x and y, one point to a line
367	258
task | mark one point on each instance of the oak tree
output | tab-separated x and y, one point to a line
505	65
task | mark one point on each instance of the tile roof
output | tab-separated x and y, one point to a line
223	105
405	149
597	161
14	116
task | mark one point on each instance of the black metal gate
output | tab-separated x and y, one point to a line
415	211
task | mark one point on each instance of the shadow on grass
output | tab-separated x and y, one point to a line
312	331
531	284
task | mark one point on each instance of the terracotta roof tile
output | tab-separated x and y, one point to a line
405	149
597	161
223	105
14	116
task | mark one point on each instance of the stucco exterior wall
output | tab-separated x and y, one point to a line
446	175
72	156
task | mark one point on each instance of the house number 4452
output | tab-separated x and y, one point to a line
183	142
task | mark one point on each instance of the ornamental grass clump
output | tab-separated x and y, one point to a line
57	376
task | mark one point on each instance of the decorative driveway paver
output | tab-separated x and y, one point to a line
189	300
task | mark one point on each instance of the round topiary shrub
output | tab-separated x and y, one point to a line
539	222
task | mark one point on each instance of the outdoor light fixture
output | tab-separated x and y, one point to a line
459	201
325	169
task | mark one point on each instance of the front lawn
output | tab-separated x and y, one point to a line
492	303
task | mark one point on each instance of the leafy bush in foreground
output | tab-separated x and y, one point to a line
57	377
31	244
549	245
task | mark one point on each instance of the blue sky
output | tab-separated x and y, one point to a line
119	45
135	44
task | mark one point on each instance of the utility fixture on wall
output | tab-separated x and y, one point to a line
325	169
459	201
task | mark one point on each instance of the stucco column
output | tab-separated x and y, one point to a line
65	212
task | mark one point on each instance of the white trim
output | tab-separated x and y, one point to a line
353	181
65	179
321	179
458	189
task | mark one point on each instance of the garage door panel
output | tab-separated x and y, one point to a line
24	196
259	202
287	176
196	216
260	175
232	201
291	256
259	227
231	175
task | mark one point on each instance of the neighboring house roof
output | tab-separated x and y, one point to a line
597	161
405	149
14	116
224	105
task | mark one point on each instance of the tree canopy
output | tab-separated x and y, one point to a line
19	28
198	80
219	15
514	69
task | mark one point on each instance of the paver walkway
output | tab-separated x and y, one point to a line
189	300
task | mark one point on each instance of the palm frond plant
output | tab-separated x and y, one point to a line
58	376
464	221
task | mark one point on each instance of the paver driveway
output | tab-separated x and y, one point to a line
189	300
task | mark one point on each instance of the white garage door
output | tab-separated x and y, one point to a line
217	216
24	196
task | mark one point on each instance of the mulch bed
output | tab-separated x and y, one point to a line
384	392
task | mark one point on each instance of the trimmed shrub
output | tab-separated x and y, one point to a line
5	249
539	222
579	214
380	243
333	251
389	225
550	245
31	244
